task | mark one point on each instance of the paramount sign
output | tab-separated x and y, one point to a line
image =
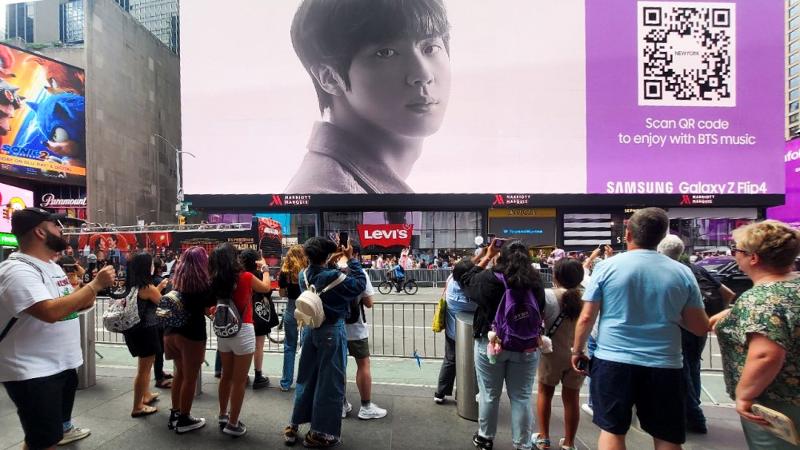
49	200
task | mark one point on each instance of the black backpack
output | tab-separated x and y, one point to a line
356	312
709	289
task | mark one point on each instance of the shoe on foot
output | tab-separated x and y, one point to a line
222	421
285	389
371	411
173	418
235	430
587	409
187	423
481	442
315	440
290	435
437	399
346	408
217	374
565	447
260	382
540	442
74	434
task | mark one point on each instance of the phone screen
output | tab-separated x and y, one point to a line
343	238
498	243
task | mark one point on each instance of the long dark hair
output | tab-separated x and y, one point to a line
515	264
568	272
137	274
224	268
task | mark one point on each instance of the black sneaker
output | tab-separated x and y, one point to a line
187	423
438	399
260	382
290	435
235	431
173	418
222	421
315	440
481	442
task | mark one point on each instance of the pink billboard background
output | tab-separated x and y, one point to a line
790	211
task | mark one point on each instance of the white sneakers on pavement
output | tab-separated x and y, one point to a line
346	408
371	411
74	434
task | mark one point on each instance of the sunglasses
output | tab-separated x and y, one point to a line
735	250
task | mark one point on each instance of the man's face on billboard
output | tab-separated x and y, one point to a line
401	86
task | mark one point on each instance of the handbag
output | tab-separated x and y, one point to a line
264	315
123	314
439	315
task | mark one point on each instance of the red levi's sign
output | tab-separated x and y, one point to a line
385	235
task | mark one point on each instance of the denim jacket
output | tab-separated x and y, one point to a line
336	302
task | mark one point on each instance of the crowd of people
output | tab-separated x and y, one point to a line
625	323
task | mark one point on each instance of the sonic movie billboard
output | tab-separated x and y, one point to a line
467	96
42	118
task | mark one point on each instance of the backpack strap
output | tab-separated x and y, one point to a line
13	320
304	273
500	277
556	324
334	283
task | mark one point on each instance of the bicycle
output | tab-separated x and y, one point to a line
409	286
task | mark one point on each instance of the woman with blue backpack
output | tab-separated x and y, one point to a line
186	344
507	330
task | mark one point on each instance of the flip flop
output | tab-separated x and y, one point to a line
153	399
146	411
164	384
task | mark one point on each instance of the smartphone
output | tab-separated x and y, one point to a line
343	238
498	242
583	364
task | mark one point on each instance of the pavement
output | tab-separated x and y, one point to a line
399	385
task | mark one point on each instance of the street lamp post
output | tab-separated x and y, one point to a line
178	157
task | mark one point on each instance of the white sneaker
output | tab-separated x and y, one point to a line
587	409
74	434
564	447
371	411
346	408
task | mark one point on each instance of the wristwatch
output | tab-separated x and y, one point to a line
578	353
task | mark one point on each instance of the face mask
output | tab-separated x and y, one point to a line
54	242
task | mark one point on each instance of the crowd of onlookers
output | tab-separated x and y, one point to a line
632	324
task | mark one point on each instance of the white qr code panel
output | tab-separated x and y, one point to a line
686	54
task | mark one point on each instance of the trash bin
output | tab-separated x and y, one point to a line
87	377
466	381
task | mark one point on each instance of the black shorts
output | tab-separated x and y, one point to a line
358	349
43	405
657	394
143	341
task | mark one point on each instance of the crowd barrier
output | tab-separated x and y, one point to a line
396	329
436	277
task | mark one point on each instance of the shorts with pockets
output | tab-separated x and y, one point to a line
657	393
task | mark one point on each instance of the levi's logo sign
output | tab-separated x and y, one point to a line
387	235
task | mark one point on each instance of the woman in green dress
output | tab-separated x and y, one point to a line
758	337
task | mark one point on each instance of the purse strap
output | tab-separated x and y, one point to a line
13	320
556	324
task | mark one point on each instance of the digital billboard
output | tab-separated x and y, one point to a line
12	199
42	118
790	211
430	96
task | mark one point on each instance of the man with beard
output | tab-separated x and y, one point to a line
39	336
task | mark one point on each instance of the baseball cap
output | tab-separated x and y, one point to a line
27	219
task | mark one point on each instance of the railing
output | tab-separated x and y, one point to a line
437	277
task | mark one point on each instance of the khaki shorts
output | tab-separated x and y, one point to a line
358	349
555	368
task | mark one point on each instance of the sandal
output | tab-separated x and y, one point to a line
164	383
153	399
146	411
168	376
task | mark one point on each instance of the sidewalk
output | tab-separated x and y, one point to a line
414	421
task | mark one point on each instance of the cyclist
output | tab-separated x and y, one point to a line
399	276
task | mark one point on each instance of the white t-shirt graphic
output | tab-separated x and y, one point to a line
33	348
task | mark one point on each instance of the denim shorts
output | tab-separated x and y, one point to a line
657	393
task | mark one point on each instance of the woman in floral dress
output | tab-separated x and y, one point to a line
758	337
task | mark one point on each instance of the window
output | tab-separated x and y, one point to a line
794	35
794	131
793	95
794	70
794	58
794	106
794	22
794	118
71	20
19	22
794	82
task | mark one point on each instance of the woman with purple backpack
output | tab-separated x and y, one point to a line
510	297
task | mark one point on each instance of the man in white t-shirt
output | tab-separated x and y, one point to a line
358	348
39	331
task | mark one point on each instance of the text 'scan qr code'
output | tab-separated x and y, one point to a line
687	54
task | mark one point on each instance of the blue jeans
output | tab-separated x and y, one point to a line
321	379
518	371
759	438
692	353
289	345
591	346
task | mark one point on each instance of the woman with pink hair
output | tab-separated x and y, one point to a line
187	345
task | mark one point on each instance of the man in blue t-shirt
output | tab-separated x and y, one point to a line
642	299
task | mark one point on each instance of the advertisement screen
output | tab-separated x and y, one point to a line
42	118
790	211
446	96
12	198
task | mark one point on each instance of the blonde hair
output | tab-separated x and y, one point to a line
773	241
294	262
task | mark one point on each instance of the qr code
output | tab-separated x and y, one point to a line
687	54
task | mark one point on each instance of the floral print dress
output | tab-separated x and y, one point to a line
773	310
